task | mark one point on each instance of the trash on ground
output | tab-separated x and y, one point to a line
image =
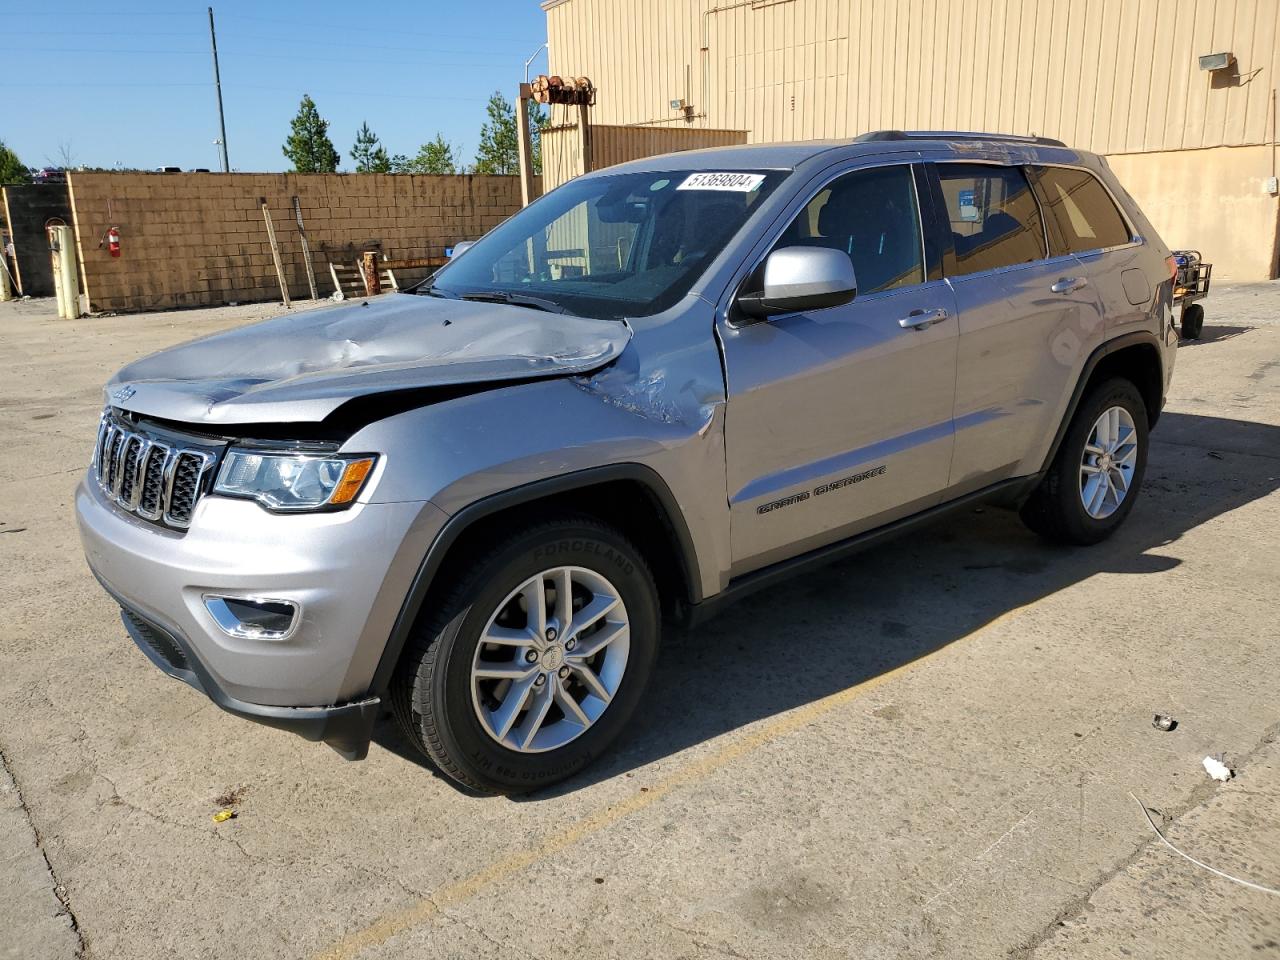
1199	863
1163	722
222	816
1217	769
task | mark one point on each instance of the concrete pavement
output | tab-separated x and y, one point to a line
925	751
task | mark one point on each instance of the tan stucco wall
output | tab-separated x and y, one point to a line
1211	200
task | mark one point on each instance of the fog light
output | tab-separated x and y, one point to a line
251	618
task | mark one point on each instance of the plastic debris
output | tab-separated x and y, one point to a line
1217	769
1162	722
222	816
1200	863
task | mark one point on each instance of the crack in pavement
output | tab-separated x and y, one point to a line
59	889
1200	794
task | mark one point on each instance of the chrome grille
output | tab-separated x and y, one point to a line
148	476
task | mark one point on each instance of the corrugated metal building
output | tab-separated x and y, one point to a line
1119	77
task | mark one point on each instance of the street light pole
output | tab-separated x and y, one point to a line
217	85
533	56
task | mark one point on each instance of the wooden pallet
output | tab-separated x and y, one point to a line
349	281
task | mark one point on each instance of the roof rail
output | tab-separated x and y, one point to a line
877	135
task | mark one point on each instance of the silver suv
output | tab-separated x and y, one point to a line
657	388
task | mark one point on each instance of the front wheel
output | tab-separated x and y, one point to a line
1094	479
535	660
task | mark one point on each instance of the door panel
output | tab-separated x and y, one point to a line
1022	347
1084	220
838	420
1026	322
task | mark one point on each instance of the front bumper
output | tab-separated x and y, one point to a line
347	572
347	728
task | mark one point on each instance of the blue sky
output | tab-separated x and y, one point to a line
134	85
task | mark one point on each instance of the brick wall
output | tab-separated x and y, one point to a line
196	239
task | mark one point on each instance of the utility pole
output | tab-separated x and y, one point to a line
524	145
217	85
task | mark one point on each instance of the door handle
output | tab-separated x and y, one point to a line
1069	284
920	319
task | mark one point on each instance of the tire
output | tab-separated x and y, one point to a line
454	716
1192	322
1056	509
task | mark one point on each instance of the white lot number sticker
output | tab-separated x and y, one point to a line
735	182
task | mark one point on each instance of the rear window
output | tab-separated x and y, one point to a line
995	221
1080	208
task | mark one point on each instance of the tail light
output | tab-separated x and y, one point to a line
1172	263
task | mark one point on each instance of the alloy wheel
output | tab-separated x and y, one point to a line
550	659
1108	462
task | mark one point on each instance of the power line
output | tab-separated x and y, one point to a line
96	84
302	58
271	39
345	28
342	26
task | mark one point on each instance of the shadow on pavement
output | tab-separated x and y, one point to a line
1214	334
830	630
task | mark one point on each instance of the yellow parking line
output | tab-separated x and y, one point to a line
397	922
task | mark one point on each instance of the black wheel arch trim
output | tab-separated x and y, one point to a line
461	521
1123	342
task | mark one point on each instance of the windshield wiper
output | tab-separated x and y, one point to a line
431	290
516	299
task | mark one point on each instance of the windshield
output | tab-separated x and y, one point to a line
610	247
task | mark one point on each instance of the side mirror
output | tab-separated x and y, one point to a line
802	278
459	248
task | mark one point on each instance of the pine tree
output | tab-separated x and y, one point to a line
499	150
369	155
309	147
436	156
12	170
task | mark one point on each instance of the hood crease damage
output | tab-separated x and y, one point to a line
301	367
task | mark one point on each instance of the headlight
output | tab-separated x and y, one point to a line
293	481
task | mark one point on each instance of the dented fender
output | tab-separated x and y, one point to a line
660	405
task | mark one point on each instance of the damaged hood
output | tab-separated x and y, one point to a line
302	366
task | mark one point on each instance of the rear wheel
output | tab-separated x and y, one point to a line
1094	479
535	660
1192	321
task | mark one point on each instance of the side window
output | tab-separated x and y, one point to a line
871	215
995	221
1081	209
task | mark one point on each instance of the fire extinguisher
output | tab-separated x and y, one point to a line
113	241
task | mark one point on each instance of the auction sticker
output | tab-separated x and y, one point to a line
736	182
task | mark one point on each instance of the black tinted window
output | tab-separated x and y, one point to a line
870	215
995	221
1081	209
